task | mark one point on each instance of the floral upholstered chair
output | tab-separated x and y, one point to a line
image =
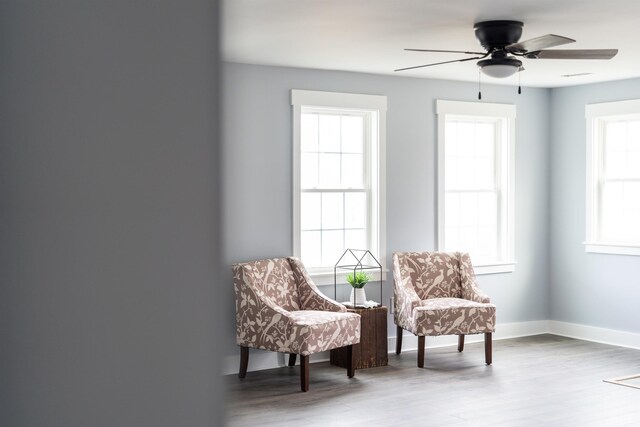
279	308
435	293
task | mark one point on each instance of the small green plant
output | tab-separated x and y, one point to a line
358	280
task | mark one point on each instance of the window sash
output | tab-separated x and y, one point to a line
601	232
372	106
502	116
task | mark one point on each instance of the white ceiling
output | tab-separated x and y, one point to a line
369	35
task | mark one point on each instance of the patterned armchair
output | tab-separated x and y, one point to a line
279	308
435	293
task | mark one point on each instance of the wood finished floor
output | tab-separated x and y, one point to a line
543	380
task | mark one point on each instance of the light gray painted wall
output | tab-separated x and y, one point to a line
257	174
108	214
590	289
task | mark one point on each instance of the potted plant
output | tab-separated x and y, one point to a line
357	280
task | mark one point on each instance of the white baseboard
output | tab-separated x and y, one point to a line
503	331
595	334
259	359
262	359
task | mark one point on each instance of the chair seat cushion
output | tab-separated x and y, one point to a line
445	316
315	331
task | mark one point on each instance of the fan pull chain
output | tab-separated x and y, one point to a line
479	91
519	86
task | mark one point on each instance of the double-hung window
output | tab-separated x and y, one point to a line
476	182
613	177
338	167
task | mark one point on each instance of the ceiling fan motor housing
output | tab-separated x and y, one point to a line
498	34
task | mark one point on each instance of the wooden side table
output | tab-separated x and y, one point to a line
371	352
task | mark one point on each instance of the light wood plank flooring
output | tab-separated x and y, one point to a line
543	380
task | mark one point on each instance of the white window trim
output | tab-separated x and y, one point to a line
317	99
595	115
482	109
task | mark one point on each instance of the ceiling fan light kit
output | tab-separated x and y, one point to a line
500	67
500	39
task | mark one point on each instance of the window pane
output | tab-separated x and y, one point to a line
332	211
451	172
612	208
452	209
355	210
615	136
332	246
466	139
355	239
352	134
632	226
309	132
487	209
615	164
310	211
329	126
468	209
329	171
632	197
309	170
466	173
450	139
310	248
484	140
468	239
633	136
487	243
452	239
633	164
352	171
485	171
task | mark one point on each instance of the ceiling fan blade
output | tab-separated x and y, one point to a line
446	51
538	43
439	63
574	54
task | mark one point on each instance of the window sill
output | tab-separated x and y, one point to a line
502	267
324	278
611	248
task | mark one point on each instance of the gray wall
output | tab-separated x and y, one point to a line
108	214
585	288
257	173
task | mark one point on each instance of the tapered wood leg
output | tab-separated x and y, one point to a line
304	372
487	348
460	343
244	361
398	339
292	359
350	365
420	351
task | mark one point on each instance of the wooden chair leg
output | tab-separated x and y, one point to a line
398	339
244	361
304	372
487	348
460	343
292	359
421	351
350	365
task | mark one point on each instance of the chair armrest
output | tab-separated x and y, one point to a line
259	322
310	296
405	297
470	289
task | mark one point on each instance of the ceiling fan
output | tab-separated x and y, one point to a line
500	40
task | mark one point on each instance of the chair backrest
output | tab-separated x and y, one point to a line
275	279
433	274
